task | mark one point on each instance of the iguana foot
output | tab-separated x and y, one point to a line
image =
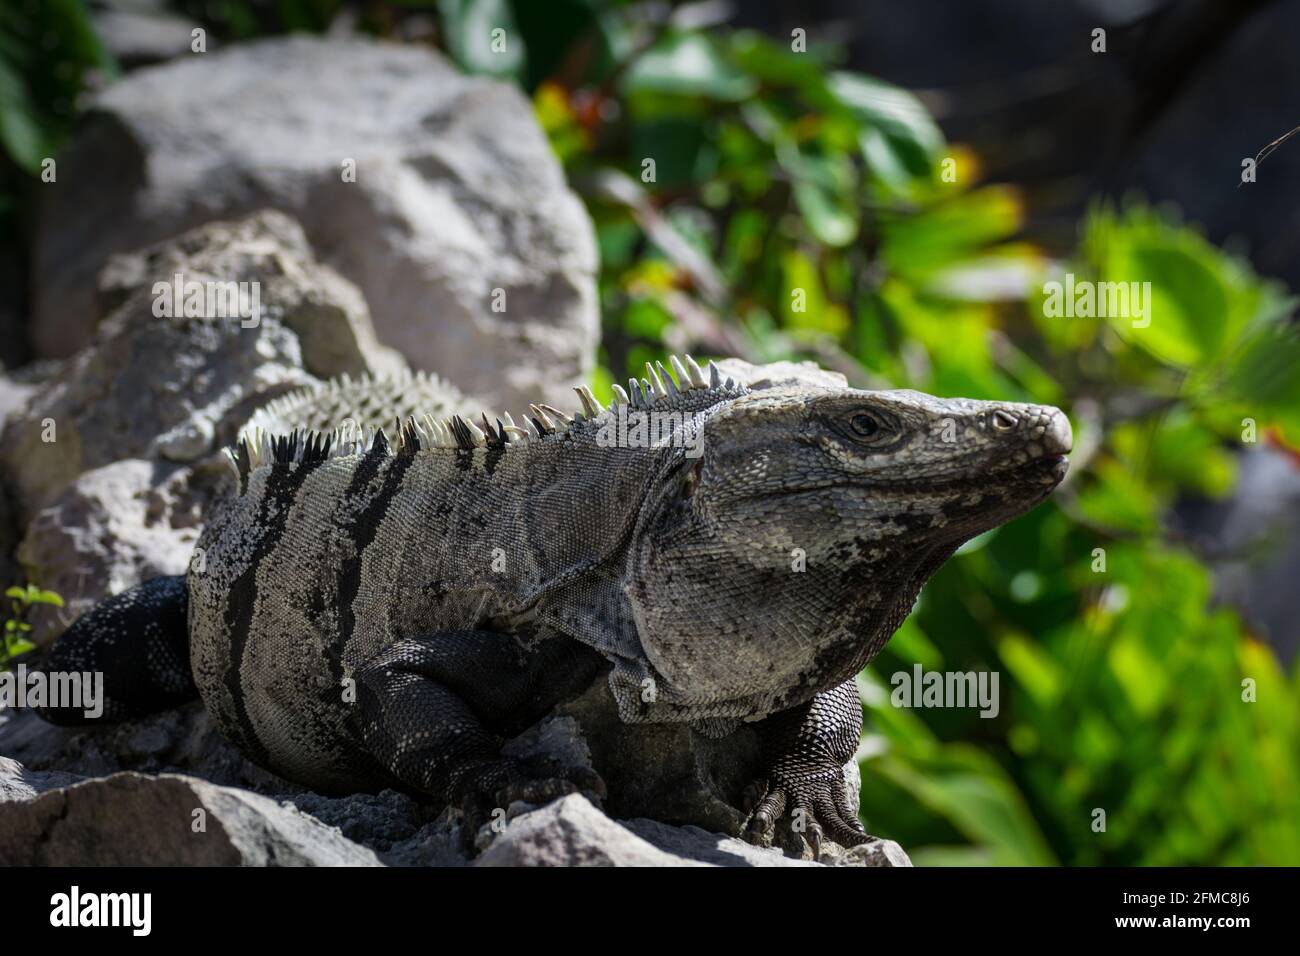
807	748
815	807
484	791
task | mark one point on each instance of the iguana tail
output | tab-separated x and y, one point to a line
134	646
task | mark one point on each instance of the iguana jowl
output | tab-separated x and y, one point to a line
373	611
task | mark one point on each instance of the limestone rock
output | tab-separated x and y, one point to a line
112	528
776	374
435	193
183	740
325	312
130	819
115	458
570	832
399	828
19	783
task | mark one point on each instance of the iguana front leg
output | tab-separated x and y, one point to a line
434	711
806	748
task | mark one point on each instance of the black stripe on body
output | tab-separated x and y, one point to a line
361	531
278	498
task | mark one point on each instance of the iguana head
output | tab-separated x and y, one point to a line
779	561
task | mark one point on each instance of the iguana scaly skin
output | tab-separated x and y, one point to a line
377	609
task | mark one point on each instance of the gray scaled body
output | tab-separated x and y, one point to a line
379	609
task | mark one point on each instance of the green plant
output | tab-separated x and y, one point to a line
21	602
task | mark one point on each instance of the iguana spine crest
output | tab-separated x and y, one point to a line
257	446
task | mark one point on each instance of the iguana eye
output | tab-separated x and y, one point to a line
865	425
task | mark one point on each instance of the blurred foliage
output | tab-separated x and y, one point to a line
22	600
754	200
48	53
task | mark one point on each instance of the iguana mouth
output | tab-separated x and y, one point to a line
1049	471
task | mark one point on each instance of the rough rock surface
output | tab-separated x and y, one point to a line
129	819
19	783
168	387
456	194
115	458
398	829
138	32
326	312
777	374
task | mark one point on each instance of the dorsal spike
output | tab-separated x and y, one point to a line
620	396
684	381
589	403
634	389
715	375
543	420
556	414
666	377
655	381
694	374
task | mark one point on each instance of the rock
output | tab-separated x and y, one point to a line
19	783
13	396
112	528
326	312
150	380
129	819
693	845
876	853
400	829
777	374
115	459
142	32
10	535
570	832
666	771
456	195
180	741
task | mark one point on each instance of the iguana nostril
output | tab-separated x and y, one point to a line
1059	437
1004	420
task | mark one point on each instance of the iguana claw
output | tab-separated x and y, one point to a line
816	809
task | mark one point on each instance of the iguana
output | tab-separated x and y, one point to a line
376	609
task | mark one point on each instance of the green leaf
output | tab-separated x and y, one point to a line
48	597
975	795
825	193
910	135
942	235
482	37
689	65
